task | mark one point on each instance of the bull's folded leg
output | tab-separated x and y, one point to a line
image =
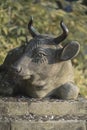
65	91
6	91
68	91
7	88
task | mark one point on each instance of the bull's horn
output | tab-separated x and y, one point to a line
63	35
31	28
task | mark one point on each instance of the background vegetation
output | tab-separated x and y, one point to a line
14	17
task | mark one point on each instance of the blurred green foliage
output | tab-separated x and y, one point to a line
14	17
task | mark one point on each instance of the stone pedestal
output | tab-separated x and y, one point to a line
34	114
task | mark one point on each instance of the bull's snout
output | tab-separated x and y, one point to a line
16	69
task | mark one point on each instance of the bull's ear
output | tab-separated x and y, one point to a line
70	51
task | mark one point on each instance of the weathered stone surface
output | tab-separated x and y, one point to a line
58	108
34	114
5	125
49	125
13	108
45	107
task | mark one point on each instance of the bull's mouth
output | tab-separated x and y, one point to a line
25	77
22	77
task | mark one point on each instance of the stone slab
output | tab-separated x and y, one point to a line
35	114
40	125
48	125
43	107
5	125
58	108
13	108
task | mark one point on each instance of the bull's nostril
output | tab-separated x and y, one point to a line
16	69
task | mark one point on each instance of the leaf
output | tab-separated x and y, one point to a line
5	30
13	28
18	5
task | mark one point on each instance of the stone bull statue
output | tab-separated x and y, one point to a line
41	68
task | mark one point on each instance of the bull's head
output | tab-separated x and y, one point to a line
44	55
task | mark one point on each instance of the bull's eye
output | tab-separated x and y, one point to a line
39	56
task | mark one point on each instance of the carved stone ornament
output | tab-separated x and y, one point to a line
41	68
